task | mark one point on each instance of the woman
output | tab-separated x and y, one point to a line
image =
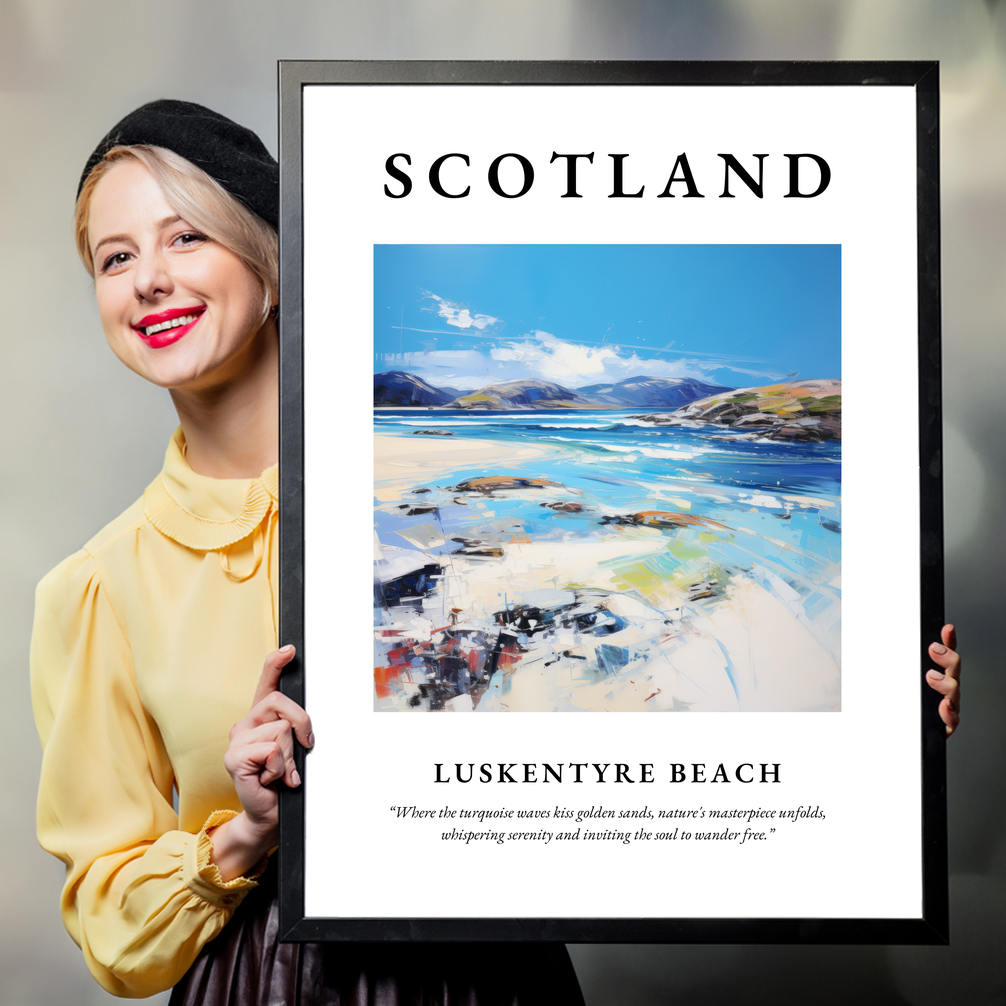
148	643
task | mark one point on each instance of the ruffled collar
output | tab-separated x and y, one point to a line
203	513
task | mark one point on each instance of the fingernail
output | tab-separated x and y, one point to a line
287	649
295	777
938	648
936	675
310	740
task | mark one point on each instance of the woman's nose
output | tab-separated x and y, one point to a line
152	277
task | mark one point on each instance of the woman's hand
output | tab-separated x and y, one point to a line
947	682
260	753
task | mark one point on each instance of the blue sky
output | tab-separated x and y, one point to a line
465	316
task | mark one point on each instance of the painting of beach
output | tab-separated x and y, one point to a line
607	478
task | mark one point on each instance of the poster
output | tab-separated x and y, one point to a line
610	385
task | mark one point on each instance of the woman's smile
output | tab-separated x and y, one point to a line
167	327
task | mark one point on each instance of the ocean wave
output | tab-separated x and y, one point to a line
629	421
434	421
575	426
650	452
656	452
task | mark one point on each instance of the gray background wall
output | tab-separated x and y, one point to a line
81	436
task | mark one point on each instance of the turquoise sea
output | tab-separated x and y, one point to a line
683	521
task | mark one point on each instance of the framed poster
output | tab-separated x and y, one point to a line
611	501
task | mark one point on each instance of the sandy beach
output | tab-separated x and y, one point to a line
400	461
527	595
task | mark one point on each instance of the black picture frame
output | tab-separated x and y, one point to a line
931	927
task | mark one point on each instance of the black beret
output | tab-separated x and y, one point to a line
230	154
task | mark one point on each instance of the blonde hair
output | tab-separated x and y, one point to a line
199	200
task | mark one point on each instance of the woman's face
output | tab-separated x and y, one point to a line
177	308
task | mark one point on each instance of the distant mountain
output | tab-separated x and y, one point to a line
399	388
651	392
522	395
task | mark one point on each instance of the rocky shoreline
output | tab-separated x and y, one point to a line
797	411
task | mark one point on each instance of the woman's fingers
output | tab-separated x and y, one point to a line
947	680
263	740
949	636
277	706
274	767
259	761
947	686
949	710
261	749
271	671
270	703
948	660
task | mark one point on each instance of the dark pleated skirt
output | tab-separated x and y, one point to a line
246	965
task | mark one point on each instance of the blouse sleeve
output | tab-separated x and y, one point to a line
141	898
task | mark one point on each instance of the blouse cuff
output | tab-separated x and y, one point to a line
202	876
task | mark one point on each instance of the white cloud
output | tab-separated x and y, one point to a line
544	356
567	363
458	316
575	365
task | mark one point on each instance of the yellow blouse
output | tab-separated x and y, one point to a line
147	647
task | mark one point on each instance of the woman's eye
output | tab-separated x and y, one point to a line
114	261
190	238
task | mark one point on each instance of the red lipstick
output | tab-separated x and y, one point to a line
166	327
